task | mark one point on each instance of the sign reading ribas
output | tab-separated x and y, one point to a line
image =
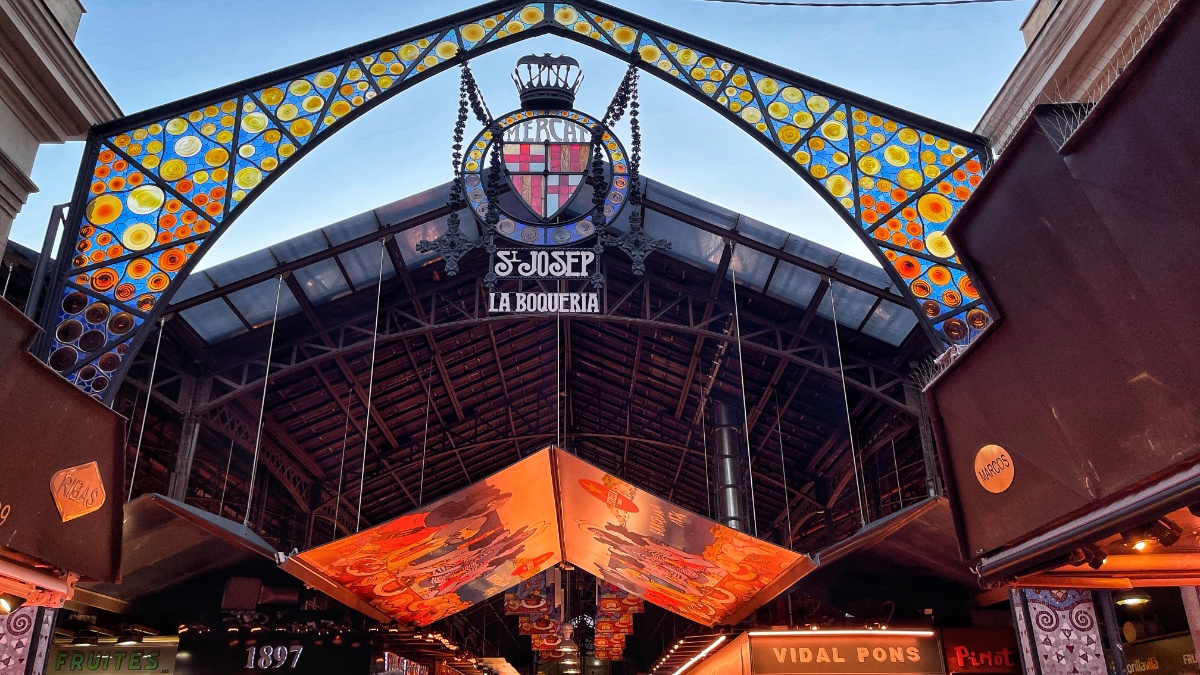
552	265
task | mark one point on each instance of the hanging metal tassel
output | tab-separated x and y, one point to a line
453	245
635	242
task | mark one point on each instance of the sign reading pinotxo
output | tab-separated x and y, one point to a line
285	653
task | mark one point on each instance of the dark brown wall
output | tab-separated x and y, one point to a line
46	424
1092	379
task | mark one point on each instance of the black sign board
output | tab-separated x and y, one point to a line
545	265
1166	656
61	463
273	652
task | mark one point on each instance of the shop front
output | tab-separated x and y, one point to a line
827	651
238	652
951	651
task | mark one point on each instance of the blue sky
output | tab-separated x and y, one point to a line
943	62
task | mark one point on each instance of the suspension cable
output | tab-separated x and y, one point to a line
146	411
787	503
737	322
337	503
704	444
899	486
425	437
262	408
225	483
862	514
362	476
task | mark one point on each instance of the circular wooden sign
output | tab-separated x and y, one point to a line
994	468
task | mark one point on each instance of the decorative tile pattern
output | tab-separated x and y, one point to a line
1065	632
157	192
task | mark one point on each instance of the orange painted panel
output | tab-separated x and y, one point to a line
671	557
459	550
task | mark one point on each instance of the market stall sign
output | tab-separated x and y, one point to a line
273	652
544	265
980	650
862	652
1169	656
140	659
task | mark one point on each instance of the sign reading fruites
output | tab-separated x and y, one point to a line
140	659
552	265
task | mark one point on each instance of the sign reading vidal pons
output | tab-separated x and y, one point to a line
542	265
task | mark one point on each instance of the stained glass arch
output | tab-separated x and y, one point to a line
157	188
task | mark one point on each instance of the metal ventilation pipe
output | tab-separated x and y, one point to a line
730	489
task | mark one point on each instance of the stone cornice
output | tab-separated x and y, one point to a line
44	78
1064	42
15	187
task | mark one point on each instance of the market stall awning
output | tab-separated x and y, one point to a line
545	509
166	543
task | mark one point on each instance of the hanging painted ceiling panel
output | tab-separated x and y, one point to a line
445	557
505	529
661	553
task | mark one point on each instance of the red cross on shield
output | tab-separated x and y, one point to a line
546	175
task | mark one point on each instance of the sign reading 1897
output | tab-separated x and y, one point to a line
554	265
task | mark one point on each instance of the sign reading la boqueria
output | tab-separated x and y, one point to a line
850	652
542	265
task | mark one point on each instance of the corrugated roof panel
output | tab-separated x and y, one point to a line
409	207
241	267
257	303
351	228
299	247
362	264
193	284
213	321
760	231
322	281
793	284
407	240
692	206
751	267
687	243
891	323
852	305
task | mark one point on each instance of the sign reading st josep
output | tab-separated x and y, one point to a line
544	265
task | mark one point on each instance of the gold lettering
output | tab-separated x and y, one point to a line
822	655
836	657
896	654
780	653
914	654
862	654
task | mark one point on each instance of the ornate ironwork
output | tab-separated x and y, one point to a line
453	245
157	188
635	242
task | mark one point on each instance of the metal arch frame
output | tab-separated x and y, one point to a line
440	30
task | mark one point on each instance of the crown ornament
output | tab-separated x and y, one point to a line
547	81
